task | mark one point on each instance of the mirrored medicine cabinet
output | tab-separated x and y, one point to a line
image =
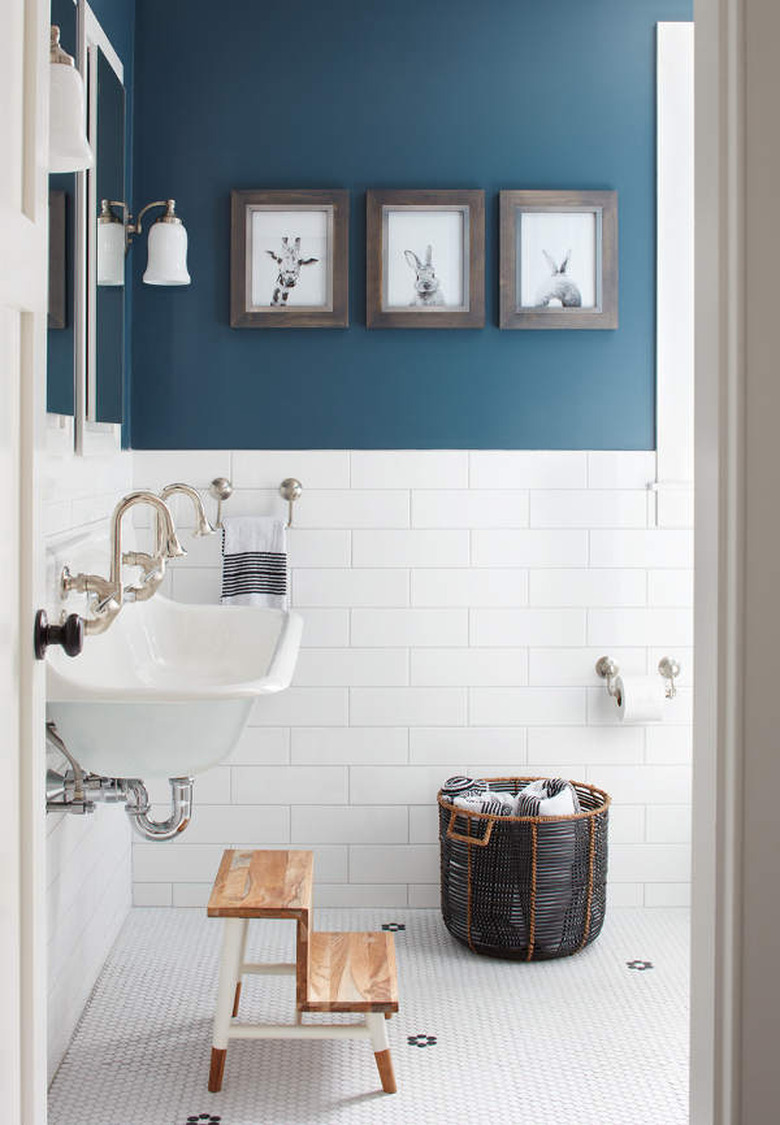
87	325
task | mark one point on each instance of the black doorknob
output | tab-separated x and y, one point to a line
70	635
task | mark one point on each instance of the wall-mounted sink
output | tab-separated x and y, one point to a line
167	690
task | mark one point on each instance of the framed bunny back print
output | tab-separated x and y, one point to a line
559	259
289	265
425	259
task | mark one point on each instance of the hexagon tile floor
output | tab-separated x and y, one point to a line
600	1038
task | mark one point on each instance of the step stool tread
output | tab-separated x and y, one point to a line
352	972
263	884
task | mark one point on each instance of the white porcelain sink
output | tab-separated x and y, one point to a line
167	690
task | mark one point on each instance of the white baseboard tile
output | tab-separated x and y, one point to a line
153	894
624	894
425	896
668	894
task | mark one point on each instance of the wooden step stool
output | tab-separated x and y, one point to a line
334	972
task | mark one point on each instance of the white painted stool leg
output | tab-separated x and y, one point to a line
229	969
375	1022
241	960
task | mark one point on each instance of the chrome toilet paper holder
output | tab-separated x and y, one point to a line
668	668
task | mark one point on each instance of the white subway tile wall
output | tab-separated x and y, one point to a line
455	604
88	858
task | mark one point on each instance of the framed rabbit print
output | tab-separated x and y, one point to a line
289	262
425	259
559	259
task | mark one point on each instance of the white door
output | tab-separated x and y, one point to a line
23	266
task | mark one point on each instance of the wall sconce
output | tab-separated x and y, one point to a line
111	244
166	262
69	149
167	250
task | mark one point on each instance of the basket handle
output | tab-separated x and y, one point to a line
453	835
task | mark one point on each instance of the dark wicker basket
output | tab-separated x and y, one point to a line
523	887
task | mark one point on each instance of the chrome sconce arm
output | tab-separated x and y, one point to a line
170	216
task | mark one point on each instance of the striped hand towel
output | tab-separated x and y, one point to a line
254	562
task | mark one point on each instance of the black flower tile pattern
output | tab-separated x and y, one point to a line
393	927
421	1040
207	1117
640	966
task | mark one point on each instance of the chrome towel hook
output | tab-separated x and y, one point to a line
290	489
608	669
670	670
221	489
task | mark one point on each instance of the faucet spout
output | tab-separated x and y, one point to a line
202	525
171	547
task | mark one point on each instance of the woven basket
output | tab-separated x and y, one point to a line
525	887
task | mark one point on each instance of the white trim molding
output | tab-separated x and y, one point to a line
675	254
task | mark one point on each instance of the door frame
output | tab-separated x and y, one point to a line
735	988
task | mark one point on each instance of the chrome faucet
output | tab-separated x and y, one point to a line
153	566
202	524
108	594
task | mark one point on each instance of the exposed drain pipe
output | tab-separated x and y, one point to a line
75	791
137	809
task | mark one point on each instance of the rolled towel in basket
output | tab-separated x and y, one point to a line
459	786
487	802
550	796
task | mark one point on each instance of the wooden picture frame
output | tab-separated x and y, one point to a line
438	279
277	237
544	282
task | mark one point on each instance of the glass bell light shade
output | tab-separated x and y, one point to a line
167	254
110	248
69	149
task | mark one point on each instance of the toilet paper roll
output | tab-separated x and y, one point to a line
640	699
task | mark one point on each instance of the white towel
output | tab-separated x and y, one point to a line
254	562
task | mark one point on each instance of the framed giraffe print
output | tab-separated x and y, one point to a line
289	264
559	259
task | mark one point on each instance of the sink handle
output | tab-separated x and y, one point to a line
70	635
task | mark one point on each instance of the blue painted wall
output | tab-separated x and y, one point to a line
449	93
